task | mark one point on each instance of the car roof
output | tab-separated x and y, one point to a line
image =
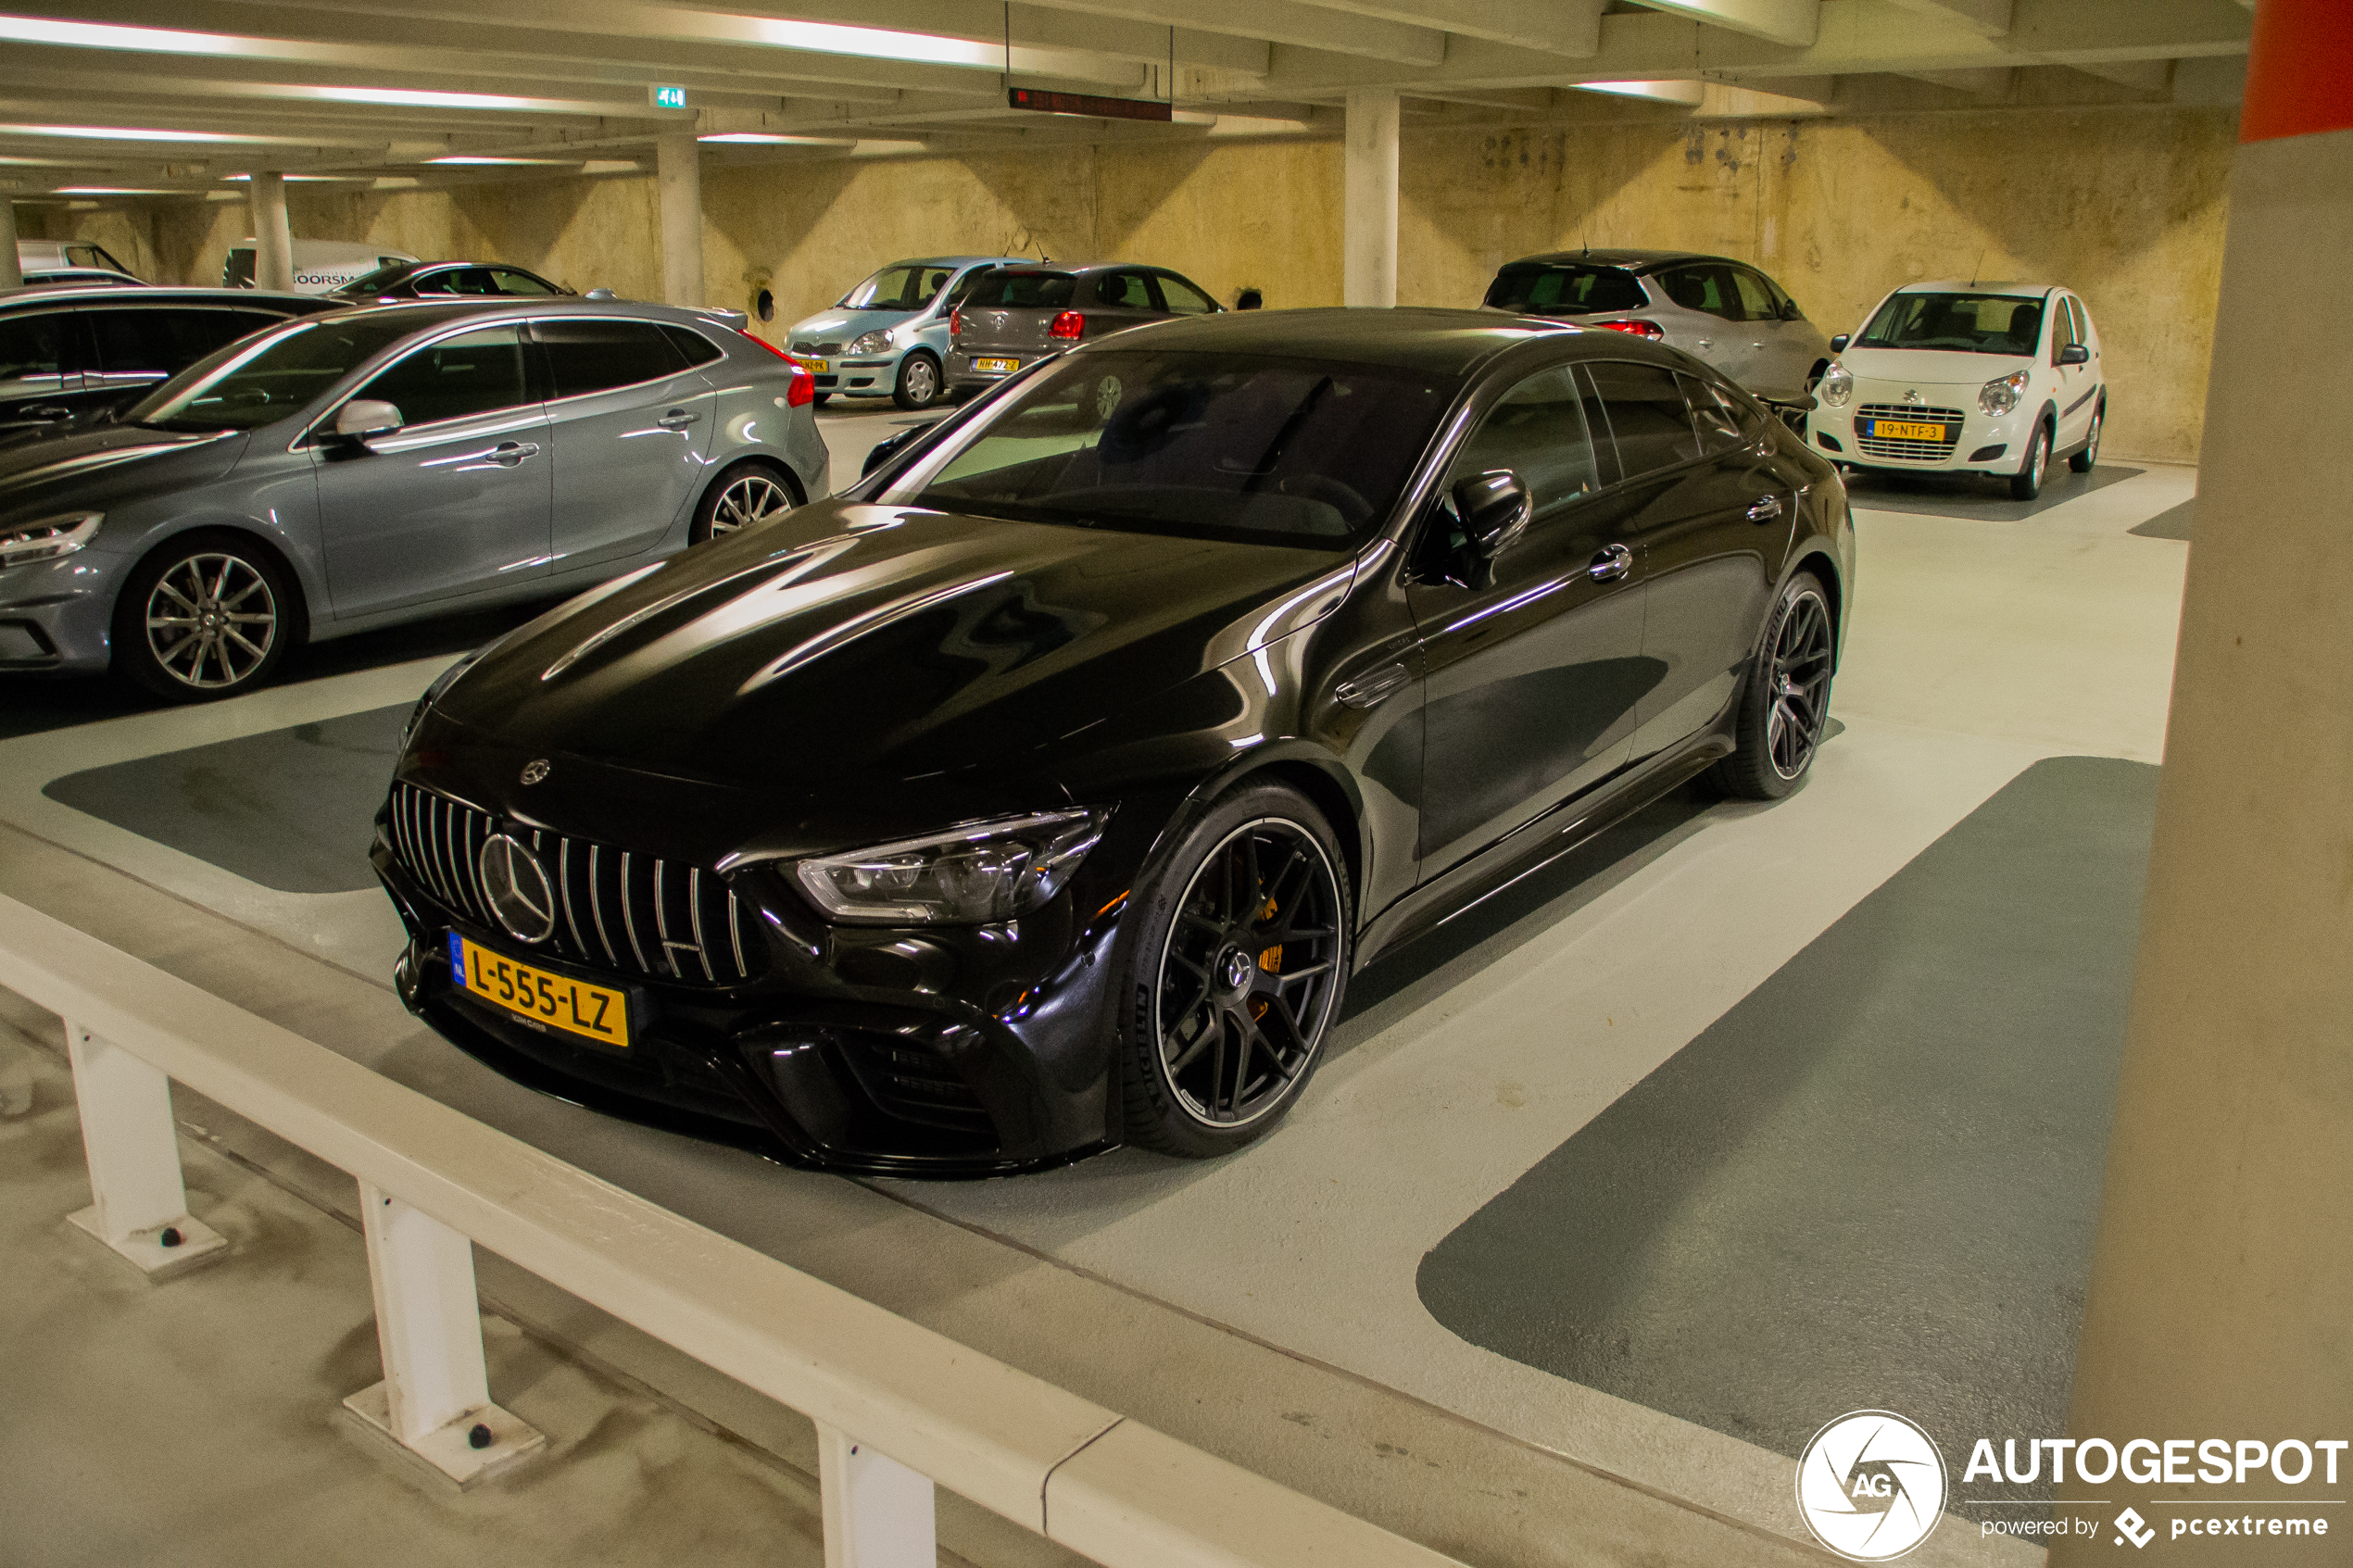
151	294
1632	260
1432	340
1956	285
955	261
428	314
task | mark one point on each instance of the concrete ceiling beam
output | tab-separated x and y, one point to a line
1991	17
2152	77
1556	26
1991	83
1793	22
1293	22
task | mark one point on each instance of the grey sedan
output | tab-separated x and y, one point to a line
1010	316
373	466
1722	311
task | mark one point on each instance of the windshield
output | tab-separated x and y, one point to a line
1967	323
380	278
1572	289
897	288
250	385
1255	448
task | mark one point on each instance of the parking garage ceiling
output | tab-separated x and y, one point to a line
104	100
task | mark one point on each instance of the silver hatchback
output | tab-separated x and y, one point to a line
1714	309
379	465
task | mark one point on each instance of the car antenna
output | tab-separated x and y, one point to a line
1979	267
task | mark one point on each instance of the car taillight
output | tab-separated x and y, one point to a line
1070	323
803	389
1650	329
955	323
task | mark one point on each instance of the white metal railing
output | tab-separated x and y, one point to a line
432	1180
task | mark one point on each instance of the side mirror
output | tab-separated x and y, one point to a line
363	419
1494	509
885	450
2075	354
1838	343
1789	312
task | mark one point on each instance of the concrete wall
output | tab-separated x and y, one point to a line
2125	203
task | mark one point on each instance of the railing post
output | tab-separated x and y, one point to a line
877	1512
435	1400
140	1207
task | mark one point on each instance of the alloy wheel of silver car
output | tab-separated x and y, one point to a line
211	622
1801	681
754	498
1249	973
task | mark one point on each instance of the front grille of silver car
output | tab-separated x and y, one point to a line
1907	451
616	910
823	350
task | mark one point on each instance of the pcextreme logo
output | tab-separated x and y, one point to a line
1870	1486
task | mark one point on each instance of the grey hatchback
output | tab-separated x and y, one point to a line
1010	316
1712	308
379	465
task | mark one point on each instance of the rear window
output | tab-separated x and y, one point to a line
1966	324
1565	289
1021	291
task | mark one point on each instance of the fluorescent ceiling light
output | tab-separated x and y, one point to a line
134	133
766	139
471	160
109	191
305	179
1669	91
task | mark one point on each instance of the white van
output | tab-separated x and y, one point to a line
319	265
64	256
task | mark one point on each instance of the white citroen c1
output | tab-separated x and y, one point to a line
1966	378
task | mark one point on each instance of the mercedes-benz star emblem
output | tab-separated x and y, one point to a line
517	890
535	769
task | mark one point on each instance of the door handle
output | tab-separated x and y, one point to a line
1373	687
506	454
677	419
1765	510
1611	564
1707	343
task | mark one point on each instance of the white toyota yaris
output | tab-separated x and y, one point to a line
1966	378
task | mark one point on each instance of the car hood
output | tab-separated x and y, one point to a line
847	324
1931	367
887	643
91	465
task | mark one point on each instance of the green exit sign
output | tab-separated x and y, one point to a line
669	97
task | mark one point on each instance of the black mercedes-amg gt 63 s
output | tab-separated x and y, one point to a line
1041	792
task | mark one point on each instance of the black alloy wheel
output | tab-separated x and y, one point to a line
2027	483
2084	461
1785	704
746	496
206	616
918	382
1239	964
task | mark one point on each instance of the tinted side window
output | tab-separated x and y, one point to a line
1538	432
1647	415
1756	298
1718	418
592	355
695	348
1182	297
477	372
166	340
30	345
433	282
511	282
1125	291
1703	286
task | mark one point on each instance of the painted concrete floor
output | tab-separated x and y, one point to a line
1987	639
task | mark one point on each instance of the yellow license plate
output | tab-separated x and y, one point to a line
595	1013
816	366
996	367
1905	430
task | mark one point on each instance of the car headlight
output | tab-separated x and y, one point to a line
970	875
1835	387
48	539
1999	396
873	342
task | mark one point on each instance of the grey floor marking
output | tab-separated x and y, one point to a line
292	809
2171	523
1871	1184
1981	500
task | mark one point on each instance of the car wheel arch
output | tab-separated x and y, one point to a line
1302	767
736	468
1816	555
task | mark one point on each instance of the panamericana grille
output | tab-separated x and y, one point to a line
822	350
616	910
1914	451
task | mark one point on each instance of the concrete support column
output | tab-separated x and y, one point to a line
678	174
273	238
11	274
1368	251
2222	1279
